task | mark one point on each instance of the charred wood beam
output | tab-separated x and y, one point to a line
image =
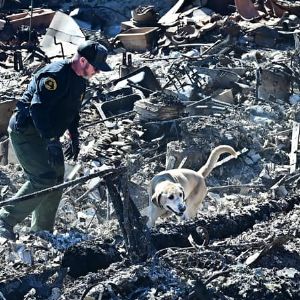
118	206
137	231
61	186
136	234
219	227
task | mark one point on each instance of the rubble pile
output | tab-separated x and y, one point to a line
188	76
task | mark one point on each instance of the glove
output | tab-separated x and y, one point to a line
73	149
55	153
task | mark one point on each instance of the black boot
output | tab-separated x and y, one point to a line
7	231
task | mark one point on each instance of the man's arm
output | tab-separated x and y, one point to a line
49	90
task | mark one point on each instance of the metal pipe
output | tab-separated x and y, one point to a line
30	24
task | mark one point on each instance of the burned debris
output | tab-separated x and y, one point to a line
187	76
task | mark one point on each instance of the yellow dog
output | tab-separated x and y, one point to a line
181	191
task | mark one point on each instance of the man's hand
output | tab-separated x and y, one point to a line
73	149
55	153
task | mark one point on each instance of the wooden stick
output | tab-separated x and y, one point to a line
294	147
125	114
233	186
61	186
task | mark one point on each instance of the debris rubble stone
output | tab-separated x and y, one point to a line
187	76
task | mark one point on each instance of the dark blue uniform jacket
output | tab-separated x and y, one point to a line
52	100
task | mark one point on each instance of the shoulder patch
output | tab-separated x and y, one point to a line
50	84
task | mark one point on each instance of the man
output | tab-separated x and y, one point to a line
48	108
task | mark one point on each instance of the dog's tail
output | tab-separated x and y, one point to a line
213	158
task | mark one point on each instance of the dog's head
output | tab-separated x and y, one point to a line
170	196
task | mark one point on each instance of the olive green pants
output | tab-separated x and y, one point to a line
31	151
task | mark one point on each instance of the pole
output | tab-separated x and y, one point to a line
30	24
62	185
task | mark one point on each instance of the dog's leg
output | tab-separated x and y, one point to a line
194	201
154	213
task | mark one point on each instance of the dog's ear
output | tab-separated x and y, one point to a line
183	194
156	199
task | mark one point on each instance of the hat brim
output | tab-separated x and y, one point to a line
102	67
